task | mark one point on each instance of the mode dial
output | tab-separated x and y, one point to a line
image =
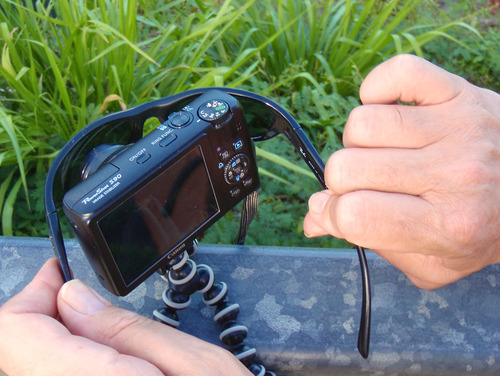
213	110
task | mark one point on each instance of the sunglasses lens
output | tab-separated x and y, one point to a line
260	120
122	132
259	117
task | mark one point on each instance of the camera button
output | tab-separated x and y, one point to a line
224	155
143	158
247	182
167	140
180	119
236	168
237	145
235	192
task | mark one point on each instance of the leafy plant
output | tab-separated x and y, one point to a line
336	42
477	56
65	63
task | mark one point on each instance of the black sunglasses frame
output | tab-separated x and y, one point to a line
283	123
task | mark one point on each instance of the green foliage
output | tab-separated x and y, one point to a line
477	56
65	63
336	42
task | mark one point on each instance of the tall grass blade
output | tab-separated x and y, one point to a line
283	162
8	209
8	127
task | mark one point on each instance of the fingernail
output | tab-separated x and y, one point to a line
317	202
82	298
309	228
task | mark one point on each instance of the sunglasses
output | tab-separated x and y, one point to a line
265	119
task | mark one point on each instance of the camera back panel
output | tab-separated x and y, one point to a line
151	200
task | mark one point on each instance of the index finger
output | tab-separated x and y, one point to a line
394	126
410	79
383	122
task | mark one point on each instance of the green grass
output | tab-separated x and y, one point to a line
477	56
70	62
336	42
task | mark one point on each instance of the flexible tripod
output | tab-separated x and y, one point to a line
184	279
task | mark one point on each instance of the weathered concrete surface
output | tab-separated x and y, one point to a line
302	307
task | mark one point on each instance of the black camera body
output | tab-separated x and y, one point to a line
150	200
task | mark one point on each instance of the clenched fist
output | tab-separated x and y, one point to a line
419	179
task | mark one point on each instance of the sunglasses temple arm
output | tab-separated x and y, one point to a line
56	238
299	140
365	322
302	144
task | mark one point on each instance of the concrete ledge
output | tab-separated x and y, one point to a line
302	308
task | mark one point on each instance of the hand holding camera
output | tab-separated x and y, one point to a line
168	186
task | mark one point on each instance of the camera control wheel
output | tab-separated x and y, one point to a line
236	168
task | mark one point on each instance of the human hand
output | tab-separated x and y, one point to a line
420	184
49	330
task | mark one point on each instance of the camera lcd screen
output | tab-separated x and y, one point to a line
160	215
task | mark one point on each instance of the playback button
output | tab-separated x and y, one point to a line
237	145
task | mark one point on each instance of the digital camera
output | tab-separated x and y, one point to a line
140	205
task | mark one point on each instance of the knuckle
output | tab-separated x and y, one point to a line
474	173
213	359
358	125
403	64
466	214
357	116
349	219
462	228
123	326
338	172
403	60
332	171
367	125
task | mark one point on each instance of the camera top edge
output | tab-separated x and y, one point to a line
148	200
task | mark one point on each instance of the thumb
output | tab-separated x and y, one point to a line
410	79
86	313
